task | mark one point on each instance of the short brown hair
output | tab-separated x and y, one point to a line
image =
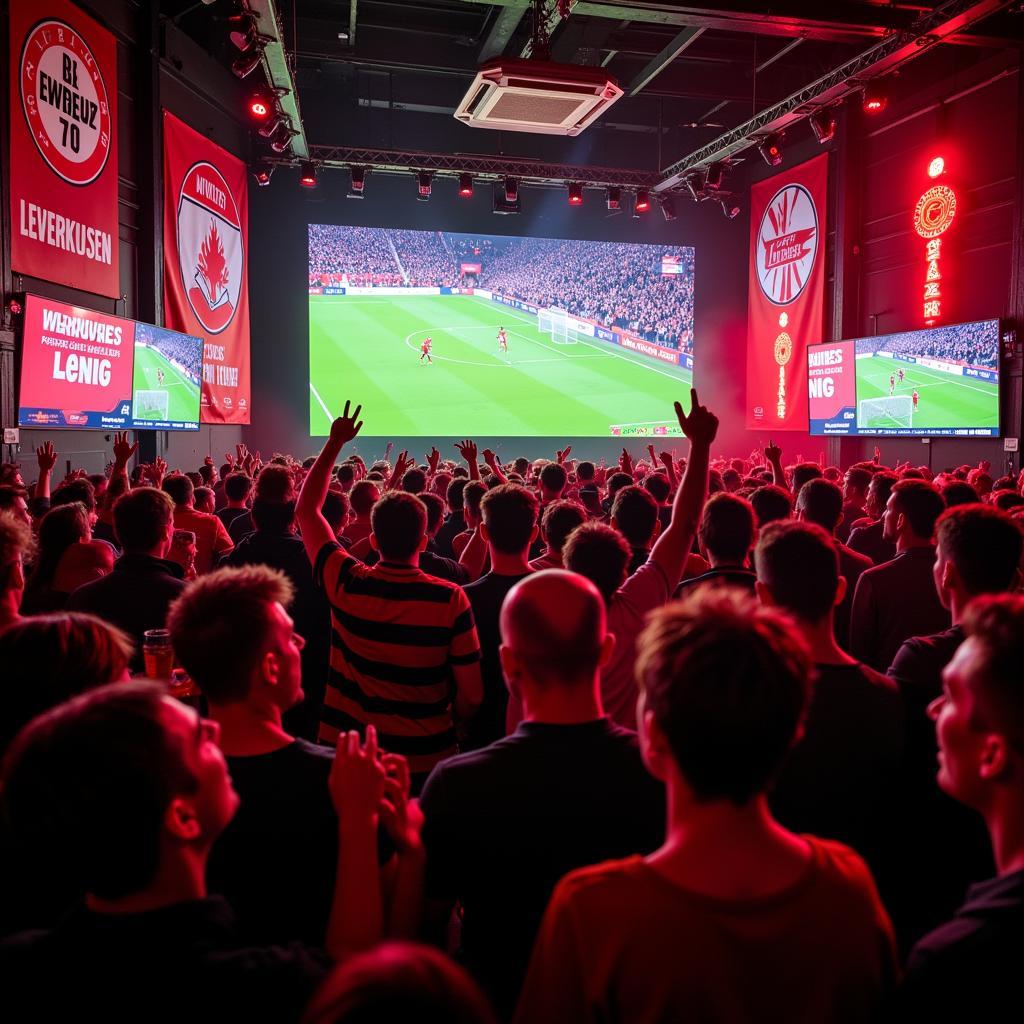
728	681
399	523
598	552
996	622
141	516
921	503
983	543
727	527
509	512
16	540
218	627
799	564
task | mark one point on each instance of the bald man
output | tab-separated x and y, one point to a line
566	789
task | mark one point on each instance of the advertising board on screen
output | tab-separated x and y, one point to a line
943	381
90	370
498	335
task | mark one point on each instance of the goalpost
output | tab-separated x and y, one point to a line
555	321
151	405
897	408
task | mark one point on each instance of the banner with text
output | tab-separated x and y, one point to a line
206	281
787	274
63	116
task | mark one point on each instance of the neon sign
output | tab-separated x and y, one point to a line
933	217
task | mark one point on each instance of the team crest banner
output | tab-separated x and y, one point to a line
63	113
206	286
787	280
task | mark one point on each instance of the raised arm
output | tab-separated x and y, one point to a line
672	547
495	466
467	449
402	463
773	453
123	451
315	530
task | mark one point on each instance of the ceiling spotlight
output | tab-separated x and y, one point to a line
262	174
261	106
247	63
282	138
874	99
613	198
823	124
770	149
575	194
730	208
423	185
937	167
714	176
695	185
242	30
511	190
642	203
668	209
273	126
307	174
465	185
357	183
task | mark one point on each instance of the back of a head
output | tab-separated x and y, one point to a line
995	624
204	499
363	496
821	502
94	777
585	472
472	495
60	528
881	487
555	623
75	490
731	480
401	982
335	509
728	681
16	544
179	487
454	493
509	512
399	523
617	481
1006	499
207	619
799	565
141	518
559	520
206	473
859	478
275	483
959	492
48	659
635	514
435	511
727	528
414	481
273	516
922	505
598	552
804	471
984	544
771	503
658	486
346	474
237	486
553	478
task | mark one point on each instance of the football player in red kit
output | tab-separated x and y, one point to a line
502	339
425	350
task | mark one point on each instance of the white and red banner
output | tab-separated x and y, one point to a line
785	309
470	268
206	281
63	113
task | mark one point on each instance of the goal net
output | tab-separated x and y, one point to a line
558	324
151	405
889	411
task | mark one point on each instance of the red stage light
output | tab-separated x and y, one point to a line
259	108
875	99
937	167
15	307
465	185
643	201
575	194
307	175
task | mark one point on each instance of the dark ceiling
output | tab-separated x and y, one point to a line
389	73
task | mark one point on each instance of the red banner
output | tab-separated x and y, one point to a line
470	268
63	113
206	280
787	276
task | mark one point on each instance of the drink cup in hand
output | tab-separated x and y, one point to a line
157	654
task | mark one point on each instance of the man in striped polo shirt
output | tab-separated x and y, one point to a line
404	649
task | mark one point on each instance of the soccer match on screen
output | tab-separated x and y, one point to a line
516	336
167	374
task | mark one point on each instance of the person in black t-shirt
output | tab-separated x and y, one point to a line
566	789
838	780
726	534
635	516
237	488
287	814
969	968
508	528
132	786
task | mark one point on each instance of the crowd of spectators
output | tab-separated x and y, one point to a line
614	283
710	739
180	349
969	344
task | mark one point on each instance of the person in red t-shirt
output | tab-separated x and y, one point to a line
733	919
502	339
914	396
425	350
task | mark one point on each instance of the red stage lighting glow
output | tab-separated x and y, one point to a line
643	201
875	99
465	185
259	108
575	194
307	175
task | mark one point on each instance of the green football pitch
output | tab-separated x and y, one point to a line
182	393
943	400
367	349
